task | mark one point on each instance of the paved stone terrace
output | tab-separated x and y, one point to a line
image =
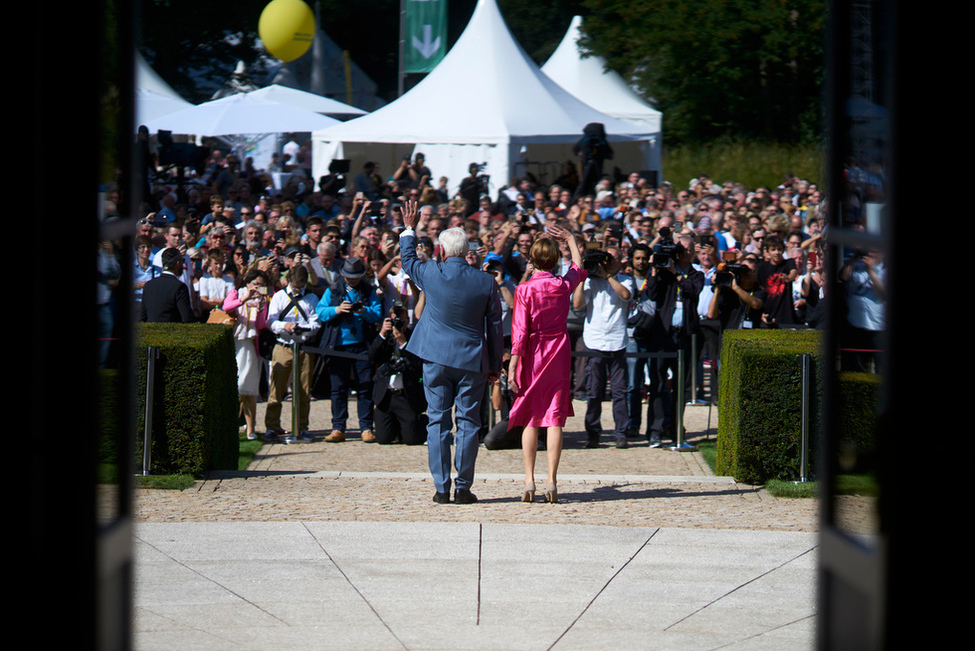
634	487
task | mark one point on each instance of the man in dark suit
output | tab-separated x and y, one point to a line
166	299
459	338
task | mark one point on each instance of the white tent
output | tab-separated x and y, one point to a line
154	97
308	101
605	90
487	101
240	114
243	121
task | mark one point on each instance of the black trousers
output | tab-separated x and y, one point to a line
662	409
394	417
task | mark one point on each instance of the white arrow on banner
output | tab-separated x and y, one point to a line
426	47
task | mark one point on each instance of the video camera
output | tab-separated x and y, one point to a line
595	258
666	250
182	154
727	270
483	180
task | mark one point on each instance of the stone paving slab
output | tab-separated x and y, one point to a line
466	585
339	546
639	486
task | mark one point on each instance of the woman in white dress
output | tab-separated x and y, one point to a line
248	305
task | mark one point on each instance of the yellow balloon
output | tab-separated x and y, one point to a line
287	28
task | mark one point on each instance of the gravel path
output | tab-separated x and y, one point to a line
638	486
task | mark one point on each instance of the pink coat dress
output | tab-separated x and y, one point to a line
540	337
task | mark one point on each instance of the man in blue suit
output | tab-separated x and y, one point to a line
459	339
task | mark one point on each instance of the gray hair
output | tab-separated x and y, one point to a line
454	242
253	223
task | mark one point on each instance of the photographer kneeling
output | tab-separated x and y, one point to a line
397	393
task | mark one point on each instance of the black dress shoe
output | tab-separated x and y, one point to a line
464	496
592	442
441	498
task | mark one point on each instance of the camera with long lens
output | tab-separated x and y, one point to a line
727	271
393	366
666	250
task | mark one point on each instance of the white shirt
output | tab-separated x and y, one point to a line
215	289
306	317
606	314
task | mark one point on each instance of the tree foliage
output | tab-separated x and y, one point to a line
739	69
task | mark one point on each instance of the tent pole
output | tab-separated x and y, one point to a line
402	25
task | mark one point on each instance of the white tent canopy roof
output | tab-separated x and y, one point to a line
306	100
240	114
588	79
154	97
486	93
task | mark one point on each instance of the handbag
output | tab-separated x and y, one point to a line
219	317
642	324
266	341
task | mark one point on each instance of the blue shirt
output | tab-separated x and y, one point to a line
351	326
139	274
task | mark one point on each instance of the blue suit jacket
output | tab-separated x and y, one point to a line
460	326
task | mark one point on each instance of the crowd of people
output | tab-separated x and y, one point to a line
320	262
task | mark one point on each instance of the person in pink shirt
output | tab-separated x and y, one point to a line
539	367
248	305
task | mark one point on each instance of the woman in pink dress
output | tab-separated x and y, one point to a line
540	355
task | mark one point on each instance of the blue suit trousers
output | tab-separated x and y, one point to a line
450	389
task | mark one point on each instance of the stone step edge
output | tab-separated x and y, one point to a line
413	476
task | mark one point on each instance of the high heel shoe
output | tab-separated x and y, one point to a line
551	493
529	495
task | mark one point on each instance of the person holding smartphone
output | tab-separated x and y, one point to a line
247	303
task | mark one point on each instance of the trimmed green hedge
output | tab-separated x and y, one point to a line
760	403
195	404
859	395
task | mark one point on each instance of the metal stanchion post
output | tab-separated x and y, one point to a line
804	442
152	353
694	357
681	446
295	384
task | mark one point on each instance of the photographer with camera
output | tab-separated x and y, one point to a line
674	286
291	317
642	311
350	308
738	299
397	390
474	187
605	295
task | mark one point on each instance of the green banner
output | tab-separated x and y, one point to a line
424	34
